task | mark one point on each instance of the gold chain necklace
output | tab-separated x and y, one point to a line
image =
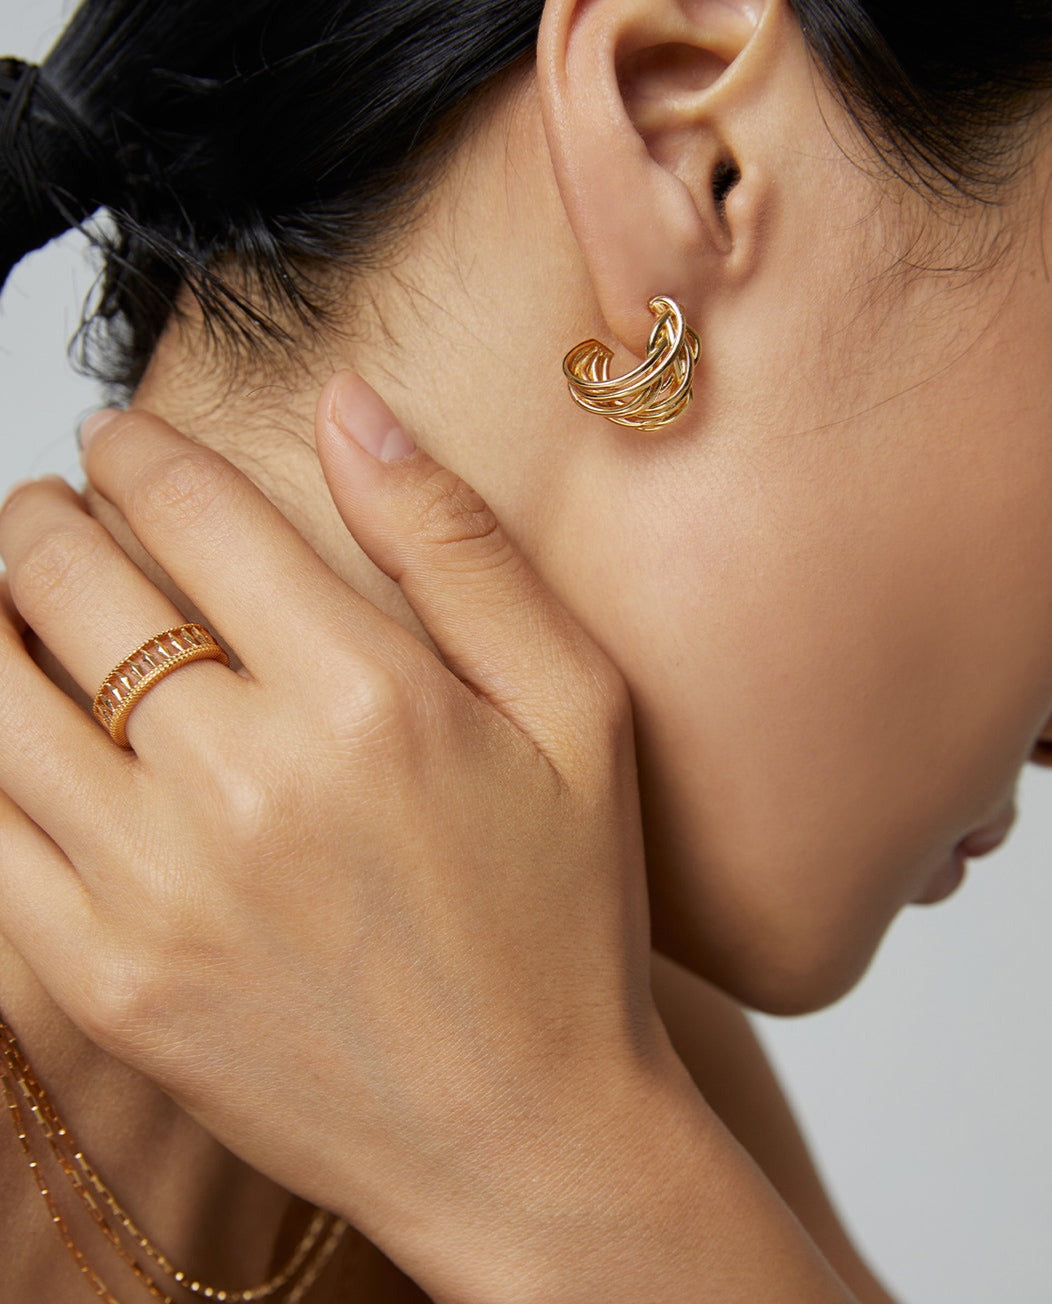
316	1247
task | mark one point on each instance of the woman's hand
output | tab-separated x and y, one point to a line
379	922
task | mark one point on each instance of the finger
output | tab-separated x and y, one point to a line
92	606
498	627
45	912
8	610
56	764
228	548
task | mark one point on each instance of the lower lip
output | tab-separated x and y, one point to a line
945	881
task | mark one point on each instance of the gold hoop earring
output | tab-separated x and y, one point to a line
652	394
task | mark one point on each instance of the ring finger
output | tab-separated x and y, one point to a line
90	604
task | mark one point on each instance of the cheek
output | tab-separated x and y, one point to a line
785	734
837	673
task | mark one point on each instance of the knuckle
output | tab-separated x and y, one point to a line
372	707
249	803
56	565
375	700
179	489
118	1000
453	515
253	791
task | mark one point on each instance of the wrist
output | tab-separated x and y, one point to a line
645	1197
588	1205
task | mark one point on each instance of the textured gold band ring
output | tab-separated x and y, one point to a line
148	665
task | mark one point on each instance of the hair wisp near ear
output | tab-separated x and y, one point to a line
54	171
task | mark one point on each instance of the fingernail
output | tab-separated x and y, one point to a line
363	415
91	426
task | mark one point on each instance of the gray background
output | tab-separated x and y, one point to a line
925	1092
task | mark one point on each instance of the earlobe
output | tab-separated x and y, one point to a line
639	100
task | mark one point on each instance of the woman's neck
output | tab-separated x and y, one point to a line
268	433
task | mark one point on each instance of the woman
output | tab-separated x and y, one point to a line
834	679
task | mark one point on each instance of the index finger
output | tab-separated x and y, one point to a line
499	628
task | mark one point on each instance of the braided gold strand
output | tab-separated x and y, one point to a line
150	662
653	394
16	1072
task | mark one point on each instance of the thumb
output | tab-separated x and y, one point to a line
497	626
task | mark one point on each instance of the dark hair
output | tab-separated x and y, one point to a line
285	136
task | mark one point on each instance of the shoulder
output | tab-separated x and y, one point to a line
714	1039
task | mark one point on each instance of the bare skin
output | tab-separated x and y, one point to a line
173	1199
173	1173
761	673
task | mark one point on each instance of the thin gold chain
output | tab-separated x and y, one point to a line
314	1269
16	1075
61	1226
59	1139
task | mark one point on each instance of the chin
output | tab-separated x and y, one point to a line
783	976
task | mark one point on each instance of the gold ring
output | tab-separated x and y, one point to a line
146	666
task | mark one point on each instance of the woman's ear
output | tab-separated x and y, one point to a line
650	112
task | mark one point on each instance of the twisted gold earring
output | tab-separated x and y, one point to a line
652	394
